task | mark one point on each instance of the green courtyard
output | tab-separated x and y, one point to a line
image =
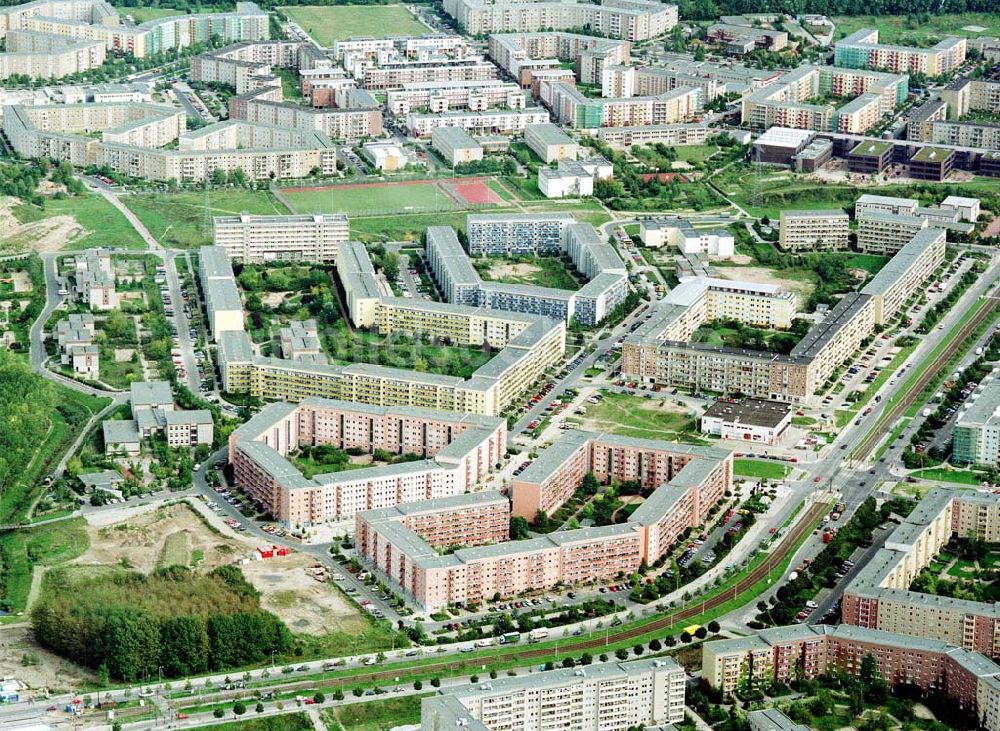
328	23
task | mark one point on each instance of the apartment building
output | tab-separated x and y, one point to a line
572	107
574	177
688	481
458	324
782	654
96	20
918	261
550	143
350	115
48	55
458	279
976	433
673	135
630	20
491	389
456	145
132	136
611	696
484	122
257	239
682	235
525	55
219	292
361	287
445	96
879	596
787	102
820	230
456	451
153	412
513	234
739	40
886	233
542	234
94	280
250	66
861	50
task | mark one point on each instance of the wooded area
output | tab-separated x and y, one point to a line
126	624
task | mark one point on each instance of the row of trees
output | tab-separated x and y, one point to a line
139	633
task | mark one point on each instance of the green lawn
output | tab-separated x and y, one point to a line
185	219
943	474
760	469
378	715
963	568
895	29
644	418
371	199
46	545
288	722
105	225
695	153
328	23
141	15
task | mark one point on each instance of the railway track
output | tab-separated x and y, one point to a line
906	400
572	646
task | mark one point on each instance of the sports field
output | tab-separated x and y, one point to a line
377	199
329	23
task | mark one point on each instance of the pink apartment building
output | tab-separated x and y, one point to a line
406	553
456	451
783	654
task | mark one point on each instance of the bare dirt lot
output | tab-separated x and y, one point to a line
305	604
507	270
146	539
763	275
23	659
180	534
50	234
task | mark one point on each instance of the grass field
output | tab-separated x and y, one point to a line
375	716
46	545
185	219
895	29
141	15
328	23
943	474
370	200
760	469
106	225
645	418
287	722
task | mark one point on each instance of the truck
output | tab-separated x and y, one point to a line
537	635
510	638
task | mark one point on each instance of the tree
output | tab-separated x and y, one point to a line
358	692
568	662
701	633
436	682
518	528
714	627
638	649
218	713
239	708
685	636
319	698
621	654
338	695
586	658
259	707
417	685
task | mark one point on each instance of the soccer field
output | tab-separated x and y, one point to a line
361	200
329	23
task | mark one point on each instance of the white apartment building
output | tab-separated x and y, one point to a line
489	121
254	239
681	234
887	233
218	288
612	696
813	230
573	177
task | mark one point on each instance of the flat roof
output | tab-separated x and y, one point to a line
871	148
932	154
756	412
